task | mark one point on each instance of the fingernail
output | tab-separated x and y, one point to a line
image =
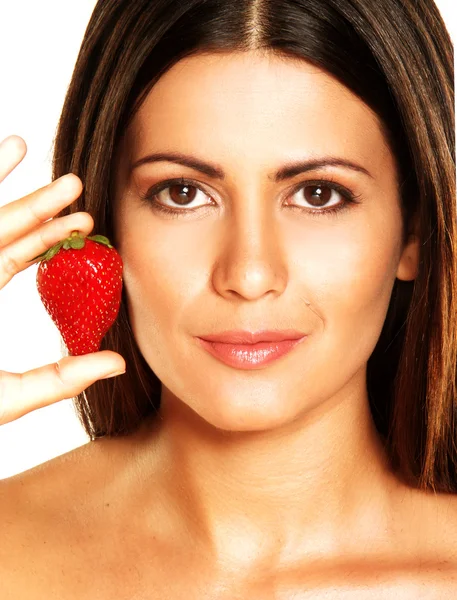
113	374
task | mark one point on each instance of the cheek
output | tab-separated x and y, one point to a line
346	272
163	274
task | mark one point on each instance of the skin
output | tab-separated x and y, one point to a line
270	482
291	447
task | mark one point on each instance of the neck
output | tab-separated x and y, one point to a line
306	486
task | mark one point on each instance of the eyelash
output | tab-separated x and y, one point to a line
349	197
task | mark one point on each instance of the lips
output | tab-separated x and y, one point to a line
248	350
248	337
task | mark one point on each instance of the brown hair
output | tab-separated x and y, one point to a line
397	57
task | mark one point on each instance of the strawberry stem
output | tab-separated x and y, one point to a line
75	241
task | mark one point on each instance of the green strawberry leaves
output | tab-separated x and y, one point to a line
101	239
75	242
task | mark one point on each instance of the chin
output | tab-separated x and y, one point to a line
254	406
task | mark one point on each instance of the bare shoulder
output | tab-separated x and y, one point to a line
438	515
63	482
432	523
50	508
54	480
46	487
439	533
74	523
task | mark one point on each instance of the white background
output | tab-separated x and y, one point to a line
39	42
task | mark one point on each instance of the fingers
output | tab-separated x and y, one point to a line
12	151
20	217
27	226
15	257
21	393
27	229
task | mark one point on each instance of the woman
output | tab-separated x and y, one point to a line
267	171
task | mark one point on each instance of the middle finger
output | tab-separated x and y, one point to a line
20	217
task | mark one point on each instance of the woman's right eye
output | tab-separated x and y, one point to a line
176	192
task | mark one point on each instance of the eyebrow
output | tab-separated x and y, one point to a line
285	172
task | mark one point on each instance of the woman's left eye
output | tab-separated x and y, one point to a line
320	196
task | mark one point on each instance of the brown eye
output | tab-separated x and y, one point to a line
174	193
321	197
313	197
317	195
181	194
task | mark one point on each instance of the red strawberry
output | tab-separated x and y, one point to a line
79	281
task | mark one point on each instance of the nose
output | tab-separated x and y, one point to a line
250	260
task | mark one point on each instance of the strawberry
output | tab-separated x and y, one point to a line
79	281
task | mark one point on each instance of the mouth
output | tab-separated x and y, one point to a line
246	350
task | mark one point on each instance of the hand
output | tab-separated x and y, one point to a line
27	229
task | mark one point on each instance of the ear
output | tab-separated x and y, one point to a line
408	266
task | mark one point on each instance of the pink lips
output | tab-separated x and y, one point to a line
247	350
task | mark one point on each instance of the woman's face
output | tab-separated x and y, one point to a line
248	251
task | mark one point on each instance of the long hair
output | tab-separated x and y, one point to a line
397	57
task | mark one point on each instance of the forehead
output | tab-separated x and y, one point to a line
249	104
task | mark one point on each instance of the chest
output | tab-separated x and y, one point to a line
139	574
116	563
